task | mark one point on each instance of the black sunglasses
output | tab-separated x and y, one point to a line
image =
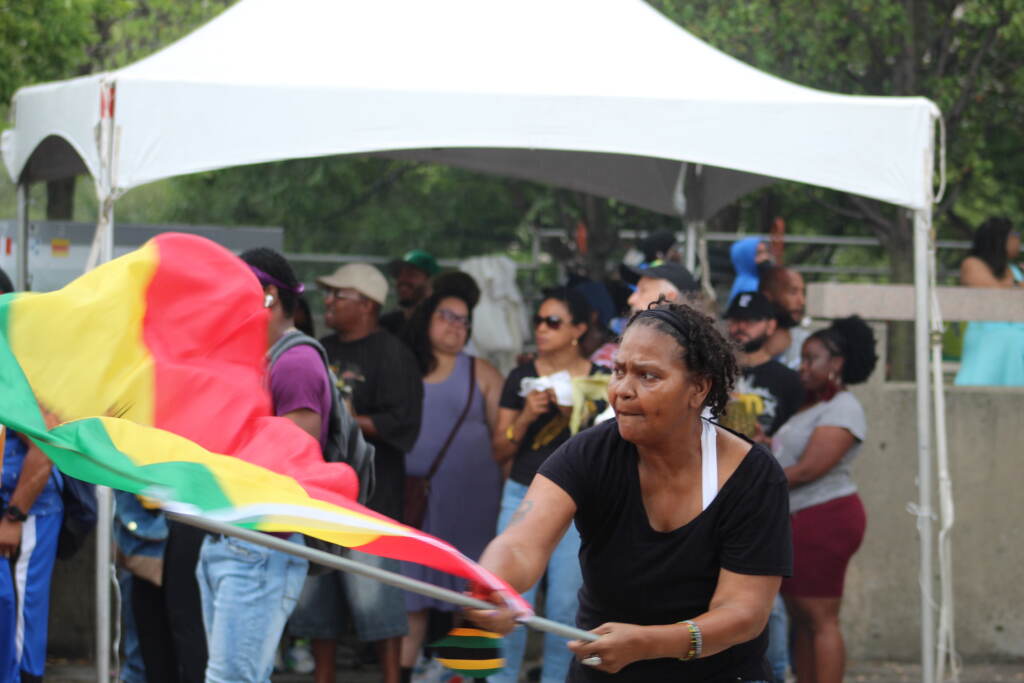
552	321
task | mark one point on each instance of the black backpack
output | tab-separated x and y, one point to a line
345	442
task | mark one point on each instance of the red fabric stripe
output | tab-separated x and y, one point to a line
206	329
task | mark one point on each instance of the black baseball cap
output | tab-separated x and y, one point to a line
678	275
750	306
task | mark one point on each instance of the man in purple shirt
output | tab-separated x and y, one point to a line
249	591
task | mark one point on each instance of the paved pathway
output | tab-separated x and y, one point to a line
862	672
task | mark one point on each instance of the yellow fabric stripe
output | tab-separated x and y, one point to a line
472	664
246	484
473	633
105	363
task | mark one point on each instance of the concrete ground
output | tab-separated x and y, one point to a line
859	672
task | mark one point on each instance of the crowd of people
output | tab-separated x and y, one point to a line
702	518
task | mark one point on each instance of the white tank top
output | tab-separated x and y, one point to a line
708	463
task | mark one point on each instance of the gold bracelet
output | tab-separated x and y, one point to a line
510	433
696	644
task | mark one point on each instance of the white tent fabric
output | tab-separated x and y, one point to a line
277	79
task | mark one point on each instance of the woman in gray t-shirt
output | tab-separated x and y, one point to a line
815	448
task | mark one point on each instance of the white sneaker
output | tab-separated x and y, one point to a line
429	671
300	659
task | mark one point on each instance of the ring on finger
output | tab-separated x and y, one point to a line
593	660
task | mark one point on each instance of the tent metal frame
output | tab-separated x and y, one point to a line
925	341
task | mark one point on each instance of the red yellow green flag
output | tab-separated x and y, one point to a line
156	362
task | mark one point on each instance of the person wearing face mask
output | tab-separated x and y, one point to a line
530	428
767	392
815	448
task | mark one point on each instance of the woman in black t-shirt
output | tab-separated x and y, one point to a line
684	525
529	430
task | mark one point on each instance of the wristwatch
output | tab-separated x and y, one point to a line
14	513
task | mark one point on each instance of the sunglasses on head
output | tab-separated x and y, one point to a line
552	321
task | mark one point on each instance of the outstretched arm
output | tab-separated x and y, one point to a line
521	553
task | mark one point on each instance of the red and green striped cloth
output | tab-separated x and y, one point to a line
156	363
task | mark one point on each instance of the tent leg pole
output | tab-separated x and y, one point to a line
104	497
691	246
21	281
104	519
922	314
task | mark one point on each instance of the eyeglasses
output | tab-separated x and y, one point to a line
453	318
552	321
334	293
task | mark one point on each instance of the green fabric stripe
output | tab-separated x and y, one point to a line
85	450
19	405
467	641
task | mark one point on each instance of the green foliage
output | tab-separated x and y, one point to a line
367	205
967	56
45	40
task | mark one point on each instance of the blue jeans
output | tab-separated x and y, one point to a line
564	581
248	591
377	609
132	669
778	640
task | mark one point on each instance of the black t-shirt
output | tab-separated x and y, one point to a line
547	433
386	387
394	322
636	575
778	389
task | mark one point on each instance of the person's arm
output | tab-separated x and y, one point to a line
521	553
506	441
309	420
397	403
35	472
738	612
366	426
489	382
975	273
824	450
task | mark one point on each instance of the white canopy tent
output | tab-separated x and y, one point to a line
602	96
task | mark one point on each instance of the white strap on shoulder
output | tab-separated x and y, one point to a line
708	463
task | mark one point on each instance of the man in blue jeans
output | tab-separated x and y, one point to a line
249	591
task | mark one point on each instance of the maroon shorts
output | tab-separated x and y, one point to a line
825	537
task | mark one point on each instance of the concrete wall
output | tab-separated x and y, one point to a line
881	611
882	606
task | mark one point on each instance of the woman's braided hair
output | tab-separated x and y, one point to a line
853	340
705	351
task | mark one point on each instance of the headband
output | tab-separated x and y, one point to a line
267	279
665	316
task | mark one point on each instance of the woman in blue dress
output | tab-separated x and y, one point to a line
993	351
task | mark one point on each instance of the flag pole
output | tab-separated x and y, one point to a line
382	575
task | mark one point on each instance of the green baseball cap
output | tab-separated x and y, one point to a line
417	258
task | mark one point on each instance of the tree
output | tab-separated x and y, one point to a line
44	40
967	56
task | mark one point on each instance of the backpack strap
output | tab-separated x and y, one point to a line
345	439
